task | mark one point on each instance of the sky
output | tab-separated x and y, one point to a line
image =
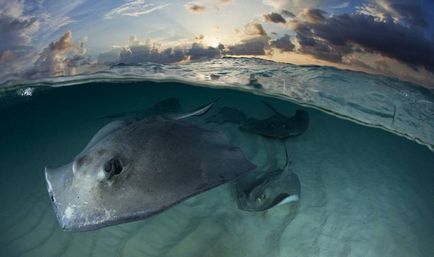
42	38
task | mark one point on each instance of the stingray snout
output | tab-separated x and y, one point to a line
48	171
57	180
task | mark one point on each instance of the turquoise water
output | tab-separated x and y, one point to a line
364	191
401	107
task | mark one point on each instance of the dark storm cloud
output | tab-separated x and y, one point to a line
287	14
410	12
331	37
284	44
195	7
274	17
252	46
314	15
200	52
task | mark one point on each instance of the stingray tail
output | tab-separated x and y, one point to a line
287	161
197	112
272	108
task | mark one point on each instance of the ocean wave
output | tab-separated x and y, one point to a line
400	107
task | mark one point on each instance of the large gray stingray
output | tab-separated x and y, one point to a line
131	170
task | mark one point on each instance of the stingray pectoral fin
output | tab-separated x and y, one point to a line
289	199
220	160
293	194
198	112
272	189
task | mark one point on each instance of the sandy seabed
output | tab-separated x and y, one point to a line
364	192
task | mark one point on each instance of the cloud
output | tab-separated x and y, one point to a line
287	14
54	15
63	44
199	38
195	7
254	29
15	27
252	46
284	44
135	8
274	18
60	58
110	57
341	5
293	5
409	12
16	31
332	37
137	52
148	53
254	41
198	51
7	56
11	8
314	15
277	4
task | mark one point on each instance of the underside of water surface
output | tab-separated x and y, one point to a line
364	191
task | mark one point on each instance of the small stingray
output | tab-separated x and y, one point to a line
259	191
227	115
278	126
253	82
131	170
165	106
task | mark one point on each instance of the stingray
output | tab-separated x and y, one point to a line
260	191
278	125
228	115
131	170
166	106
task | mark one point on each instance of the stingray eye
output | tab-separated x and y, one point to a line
260	197
113	167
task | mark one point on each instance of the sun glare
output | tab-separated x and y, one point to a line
212	41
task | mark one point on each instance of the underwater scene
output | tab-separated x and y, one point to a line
350	190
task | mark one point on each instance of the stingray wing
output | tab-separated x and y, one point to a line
171	161
181	160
